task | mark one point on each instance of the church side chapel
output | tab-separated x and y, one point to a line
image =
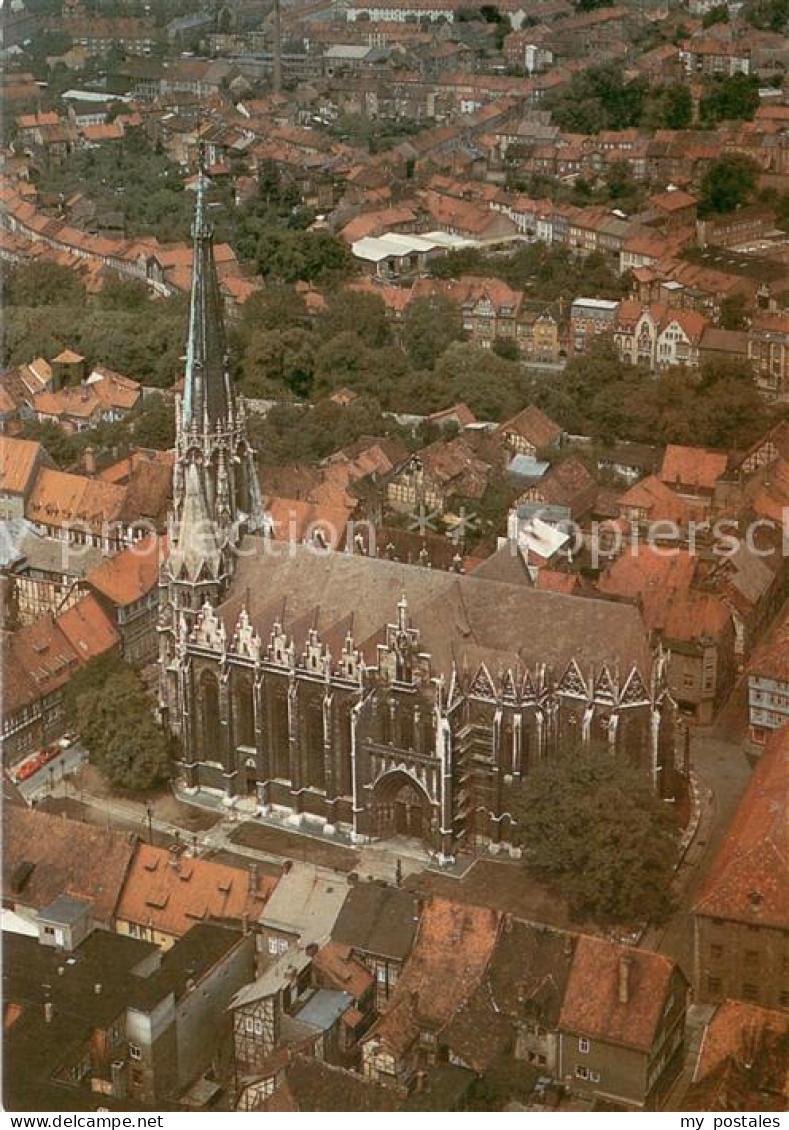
356	694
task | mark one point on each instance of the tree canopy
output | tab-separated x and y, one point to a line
592	828
728	183
109	707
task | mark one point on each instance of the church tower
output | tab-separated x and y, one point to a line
216	495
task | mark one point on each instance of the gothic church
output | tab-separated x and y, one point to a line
357	695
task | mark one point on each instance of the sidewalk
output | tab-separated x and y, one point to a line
692	852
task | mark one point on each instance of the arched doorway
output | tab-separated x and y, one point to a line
400	807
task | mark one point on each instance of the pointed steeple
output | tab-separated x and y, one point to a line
208	392
196	554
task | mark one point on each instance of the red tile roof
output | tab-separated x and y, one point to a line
129	575
170	894
661	581
692	466
591	1002
770	660
18	461
88	628
62	856
453	946
533	425
749	878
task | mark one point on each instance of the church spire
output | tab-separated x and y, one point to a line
208	391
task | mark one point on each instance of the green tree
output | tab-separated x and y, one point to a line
309	256
592	827
108	705
154	426
729	183
284	357
487	383
430	326
676	106
275	307
717	15
43	284
768	15
734	310
359	313
730	98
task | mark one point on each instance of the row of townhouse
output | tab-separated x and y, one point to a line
660	335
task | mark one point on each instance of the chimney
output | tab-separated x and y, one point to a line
625	962
421	1079
89	461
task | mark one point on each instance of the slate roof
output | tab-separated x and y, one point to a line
378	920
749	878
459	617
525	978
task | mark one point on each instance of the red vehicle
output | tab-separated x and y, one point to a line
36	762
49	754
27	768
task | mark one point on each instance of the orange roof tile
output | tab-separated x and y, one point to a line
749	878
692	466
18	461
62	499
170	894
88	628
130	574
453	946
591	1002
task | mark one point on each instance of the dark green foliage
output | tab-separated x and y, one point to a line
717	15
480	378
63	448
769	15
274	359
733	98
599	98
144	343
430	325
734	310
298	433
312	256
109	707
549	273
729	183
154	425
132	178
358	313
601	397
676	106
42	284
591	826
